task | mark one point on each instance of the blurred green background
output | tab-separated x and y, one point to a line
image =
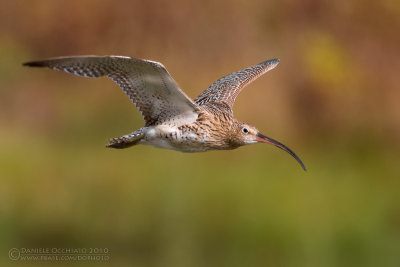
334	99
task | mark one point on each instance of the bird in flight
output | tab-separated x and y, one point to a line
172	119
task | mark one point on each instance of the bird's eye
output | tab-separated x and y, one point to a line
245	130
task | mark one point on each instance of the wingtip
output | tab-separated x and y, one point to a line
34	64
271	63
274	61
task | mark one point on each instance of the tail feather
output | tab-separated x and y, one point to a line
121	142
126	140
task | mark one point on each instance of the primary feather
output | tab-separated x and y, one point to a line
147	83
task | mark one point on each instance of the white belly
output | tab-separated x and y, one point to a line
170	137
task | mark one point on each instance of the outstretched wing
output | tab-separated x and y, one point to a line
225	90
147	83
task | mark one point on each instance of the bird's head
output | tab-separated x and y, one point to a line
245	134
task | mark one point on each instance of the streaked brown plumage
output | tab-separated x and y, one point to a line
172	119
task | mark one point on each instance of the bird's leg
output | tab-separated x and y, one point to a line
126	140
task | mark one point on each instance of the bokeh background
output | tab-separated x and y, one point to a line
334	99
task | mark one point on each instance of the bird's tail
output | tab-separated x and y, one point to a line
126	140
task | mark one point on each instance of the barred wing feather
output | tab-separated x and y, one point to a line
225	90
147	83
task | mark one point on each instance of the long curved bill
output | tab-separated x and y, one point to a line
263	139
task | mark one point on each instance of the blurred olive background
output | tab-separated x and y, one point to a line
334	99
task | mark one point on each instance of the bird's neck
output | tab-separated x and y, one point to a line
218	127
